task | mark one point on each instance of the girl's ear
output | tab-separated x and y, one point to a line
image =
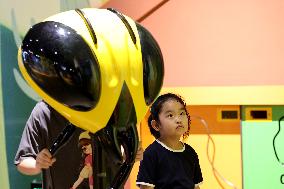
155	125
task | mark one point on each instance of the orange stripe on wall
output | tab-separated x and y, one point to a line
211	114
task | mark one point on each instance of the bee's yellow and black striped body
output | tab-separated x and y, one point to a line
100	70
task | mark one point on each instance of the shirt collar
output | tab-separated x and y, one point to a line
170	149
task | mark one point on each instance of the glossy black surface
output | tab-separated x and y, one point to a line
120	131
62	139
88	25
62	65
153	64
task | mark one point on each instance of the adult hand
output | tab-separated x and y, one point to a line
139	154
44	159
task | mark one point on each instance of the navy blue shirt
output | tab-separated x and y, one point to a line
165	168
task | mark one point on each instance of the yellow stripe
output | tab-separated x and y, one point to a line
230	95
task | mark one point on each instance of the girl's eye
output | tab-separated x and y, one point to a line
170	115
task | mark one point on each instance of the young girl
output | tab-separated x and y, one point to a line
87	171
168	163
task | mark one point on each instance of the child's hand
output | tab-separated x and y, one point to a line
44	159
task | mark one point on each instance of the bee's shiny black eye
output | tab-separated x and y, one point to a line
153	64
62	64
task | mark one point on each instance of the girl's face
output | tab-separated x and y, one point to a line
87	148
173	119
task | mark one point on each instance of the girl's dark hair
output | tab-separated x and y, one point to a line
156	109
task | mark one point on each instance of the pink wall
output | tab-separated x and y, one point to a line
216	43
132	8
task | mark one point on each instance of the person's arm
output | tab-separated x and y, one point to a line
31	166
28	166
197	187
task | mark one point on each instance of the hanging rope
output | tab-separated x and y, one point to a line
211	159
151	11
